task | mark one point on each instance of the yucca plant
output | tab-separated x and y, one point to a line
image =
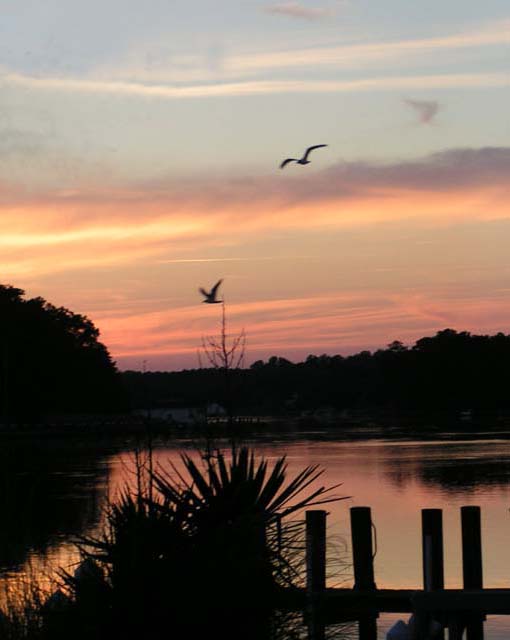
232	506
137	572
206	543
225	488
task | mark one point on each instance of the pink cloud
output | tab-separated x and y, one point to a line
132	257
426	110
334	323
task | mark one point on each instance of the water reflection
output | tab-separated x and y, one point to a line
48	493
455	467
51	491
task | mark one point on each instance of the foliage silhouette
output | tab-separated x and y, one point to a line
199	554
51	361
450	371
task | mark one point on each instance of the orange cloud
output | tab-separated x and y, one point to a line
443	184
133	257
333	323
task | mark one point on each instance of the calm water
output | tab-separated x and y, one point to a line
51	493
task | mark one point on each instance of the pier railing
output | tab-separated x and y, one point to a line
457	610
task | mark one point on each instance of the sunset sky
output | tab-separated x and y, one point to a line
139	153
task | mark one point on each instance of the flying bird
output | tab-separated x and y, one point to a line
210	297
304	159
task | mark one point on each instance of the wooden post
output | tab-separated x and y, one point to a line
472	563
432	549
363	561
367	628
315	625
471	547
455	628
315	551
315	569
474	628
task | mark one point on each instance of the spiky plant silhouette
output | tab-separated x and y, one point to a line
206	543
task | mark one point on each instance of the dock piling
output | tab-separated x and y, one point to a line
362	548
433	556
472	563
315	550
367	628
432	549
435	609
471	547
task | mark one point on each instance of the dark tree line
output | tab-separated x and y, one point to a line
51	361
449	371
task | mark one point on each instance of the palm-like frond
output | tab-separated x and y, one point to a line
240	486
217	521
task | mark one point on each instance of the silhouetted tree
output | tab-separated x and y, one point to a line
51	361
447	372
225	354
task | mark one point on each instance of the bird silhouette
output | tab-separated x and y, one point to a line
210	297
304	159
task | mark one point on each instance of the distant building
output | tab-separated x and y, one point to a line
215	410
180	413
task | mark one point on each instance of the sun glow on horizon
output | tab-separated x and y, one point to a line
154	250
142	162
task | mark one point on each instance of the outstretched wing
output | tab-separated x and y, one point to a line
310	149
215	288
287	162
203	292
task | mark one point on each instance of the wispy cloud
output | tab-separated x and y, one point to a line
171	222
333	323
184	69
354	54
272	323
455	170
250	88
192	76
296	10
426	110
449	169
167	198
206	260
153	244
113	233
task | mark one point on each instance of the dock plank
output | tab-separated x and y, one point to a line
353	602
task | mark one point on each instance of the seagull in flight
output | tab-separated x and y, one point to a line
304	159
210	297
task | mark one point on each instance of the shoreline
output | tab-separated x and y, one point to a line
364	426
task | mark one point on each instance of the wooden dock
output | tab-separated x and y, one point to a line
482	601
458	610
